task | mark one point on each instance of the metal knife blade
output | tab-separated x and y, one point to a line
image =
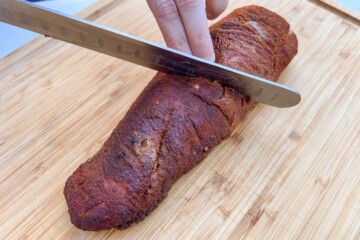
133	49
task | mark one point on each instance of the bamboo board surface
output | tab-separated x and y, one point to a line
343	8
284	174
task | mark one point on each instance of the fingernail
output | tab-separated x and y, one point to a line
210	58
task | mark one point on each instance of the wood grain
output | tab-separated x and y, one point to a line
343	8
284	174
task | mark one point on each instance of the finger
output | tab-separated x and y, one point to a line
170	24
193	16
215	7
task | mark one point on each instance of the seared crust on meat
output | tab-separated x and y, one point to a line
174	124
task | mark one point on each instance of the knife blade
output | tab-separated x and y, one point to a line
142	52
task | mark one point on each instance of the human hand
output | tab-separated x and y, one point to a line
183	24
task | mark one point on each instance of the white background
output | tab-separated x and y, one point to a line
11	38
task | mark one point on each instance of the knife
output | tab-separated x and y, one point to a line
145	53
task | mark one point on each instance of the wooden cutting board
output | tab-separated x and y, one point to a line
284	173
343	8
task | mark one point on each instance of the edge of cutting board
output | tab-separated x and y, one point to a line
342	8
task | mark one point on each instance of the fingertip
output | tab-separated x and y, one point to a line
210	15
210	58
202	46
215	7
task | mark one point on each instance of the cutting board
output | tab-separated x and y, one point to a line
339	5
283	174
